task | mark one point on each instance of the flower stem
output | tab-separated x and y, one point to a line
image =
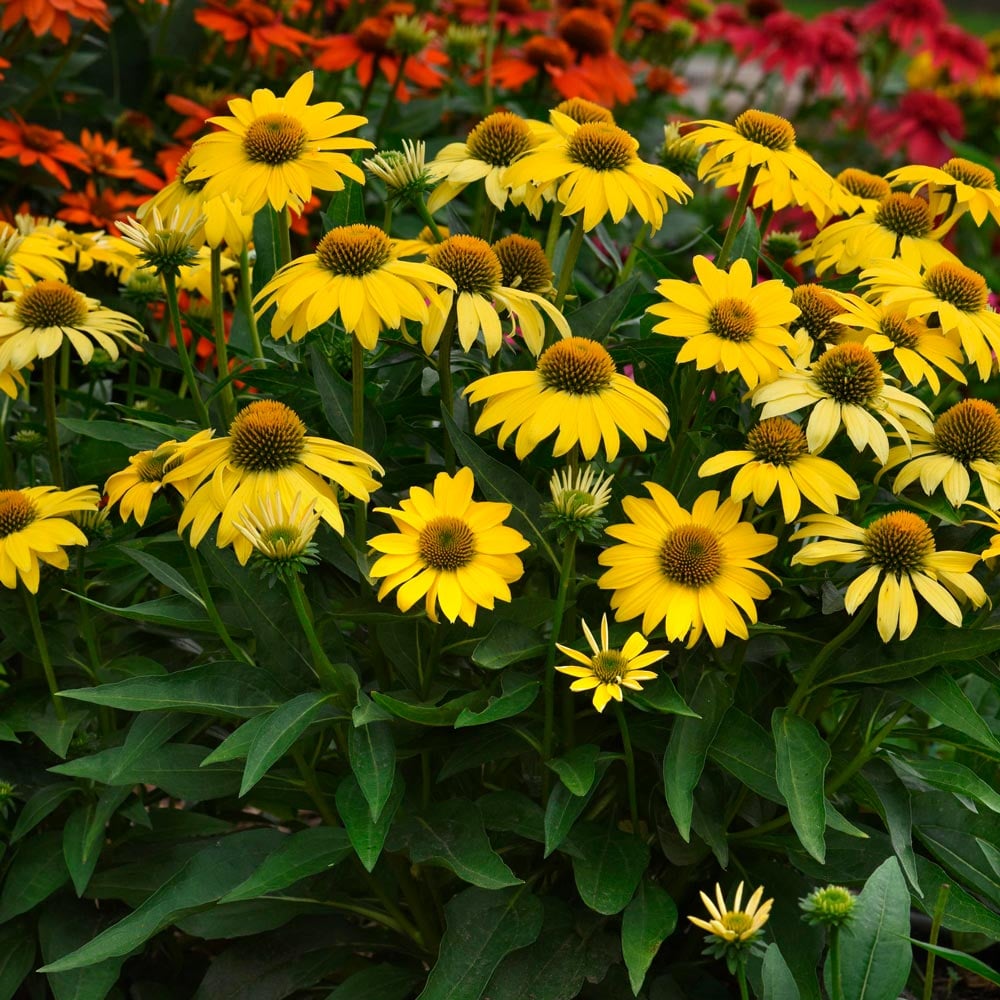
445	382
51	426
43	652
566	574
633	254
741	977
836	973
6	459
173	308
358	426
936	919
211	610
417	201
284	236
219	329
552	235
246	300
569	261
633	801
739	212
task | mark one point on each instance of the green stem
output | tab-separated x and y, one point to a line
43	652
836	973
6	459
246	300
739	212
488	56
330	677
387	217
633	801
51	426
445	383
552	235
865	753
210	609
420	205
221	349
173	308
569	261
358	426
566	573
284	225
741	977
936	919
633	254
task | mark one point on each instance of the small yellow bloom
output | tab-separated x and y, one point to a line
739	924
281	534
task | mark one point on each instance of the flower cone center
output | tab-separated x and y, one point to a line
732	319
265	437
274	139
447	543
777	440
899	542
691	555
601	146
354	250
150	469
588	31
862	184
849	373
765	129
373	33
524	263
51	303
16	512
964	288
583	111
469	261
901	331
970	173
609	666
818	308
576	365
498	139
737	921
904	215
542	51
183	169
969	430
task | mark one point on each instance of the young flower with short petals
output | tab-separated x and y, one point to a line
404	173
35	528
900	552
356	272
954	189
728	322
846	388
39	319
281	536
777	457
598	173
608	670
575	390
450	550
267	453
832	906
578	498
166	245
965	440
693	571
736	925
277	150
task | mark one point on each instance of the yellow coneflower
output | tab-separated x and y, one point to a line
956	188
736	924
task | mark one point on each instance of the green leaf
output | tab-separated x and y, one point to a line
210	874
688	747
336	396
237	744
129	434
661	696
511	811
939	695
346	207
777	978
608	867
949	776
746	750
275	737
597	318
884	792
43	803
428	714
875	952
300	855
578	768
963	961
219	688
147	733
802	759
64	926
452	835
163	572
380	982
174	611
17	957
367	836
372	752
36	872
747	242
648	921
564	808
506	643
519	693
481	928
83	835
267	248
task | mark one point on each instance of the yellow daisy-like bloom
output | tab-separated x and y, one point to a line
899	548
598	173
11	382
954	293
27	258
728	322
860	191
575	390
915	347
846	388
608	670
476	274
954	189
736	924
454	552
693	571
787	175
899	225
276	150
278	533
992	551
35	528
777	457
965	440
267	453
814	326
491	147
37	321
356	272
85	250
135	487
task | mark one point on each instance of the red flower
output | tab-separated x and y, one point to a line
837	58
963	56
661	81
512	16
105	156
903	20
31	144
589	33
196	113
917	126
52	16
256	22
98	208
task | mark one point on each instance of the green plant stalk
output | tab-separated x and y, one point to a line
445	382
51	424
358	428
284	222
637	244
221	349
566	574
552	235
940	903
43	652
417	201
173	309
6	459
210	609
633	800
569	262
836	972
739	213
246	300
330	678
741	977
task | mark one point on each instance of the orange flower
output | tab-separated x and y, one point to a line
256	22
590	34
197	112
31	144
51	17
512	16
98	208
105	156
